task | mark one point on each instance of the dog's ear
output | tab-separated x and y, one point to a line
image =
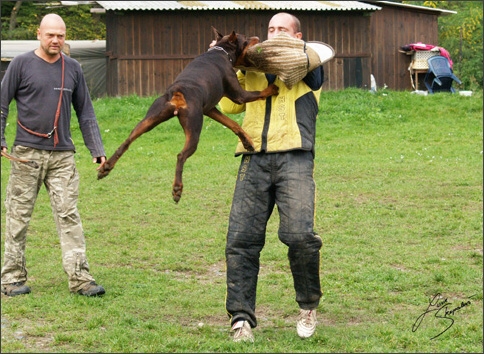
217	34
233	37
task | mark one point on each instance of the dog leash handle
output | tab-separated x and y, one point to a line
30	163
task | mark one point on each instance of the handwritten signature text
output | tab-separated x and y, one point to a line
440	308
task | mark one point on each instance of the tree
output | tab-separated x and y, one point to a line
21	22
13	16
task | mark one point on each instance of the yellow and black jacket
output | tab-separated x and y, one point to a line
280	123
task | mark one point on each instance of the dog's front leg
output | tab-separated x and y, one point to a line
215	114
238	95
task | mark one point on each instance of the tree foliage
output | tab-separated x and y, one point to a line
81	24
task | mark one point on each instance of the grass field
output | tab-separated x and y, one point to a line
399	209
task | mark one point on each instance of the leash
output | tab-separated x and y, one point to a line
31	163
216	47
57	114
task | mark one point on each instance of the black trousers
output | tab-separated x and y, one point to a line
264	180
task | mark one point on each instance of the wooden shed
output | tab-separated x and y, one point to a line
148	43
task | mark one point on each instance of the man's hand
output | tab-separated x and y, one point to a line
4	151
101	160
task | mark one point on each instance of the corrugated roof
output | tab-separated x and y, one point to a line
238	5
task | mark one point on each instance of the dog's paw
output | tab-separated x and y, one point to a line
104	171
177	192
248	146
246	141
102	174
273	89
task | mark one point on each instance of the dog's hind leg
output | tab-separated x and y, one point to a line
215	114
160	111
192	122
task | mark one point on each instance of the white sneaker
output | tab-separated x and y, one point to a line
306	323
243	332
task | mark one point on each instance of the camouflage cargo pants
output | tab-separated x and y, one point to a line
57	171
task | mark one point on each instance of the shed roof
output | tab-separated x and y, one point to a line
238	5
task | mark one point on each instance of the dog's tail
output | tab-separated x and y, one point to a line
178	101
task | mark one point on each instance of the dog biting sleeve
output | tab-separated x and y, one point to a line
281	55
287	57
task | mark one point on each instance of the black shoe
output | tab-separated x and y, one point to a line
15	289
92	289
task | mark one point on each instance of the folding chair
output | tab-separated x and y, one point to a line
439	77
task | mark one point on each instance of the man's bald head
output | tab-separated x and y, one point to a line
52	20
51	34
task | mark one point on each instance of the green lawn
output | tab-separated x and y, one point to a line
399	208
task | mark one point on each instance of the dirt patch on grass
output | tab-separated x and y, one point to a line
20	333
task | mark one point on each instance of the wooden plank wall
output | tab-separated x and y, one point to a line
392	28
349	35
145	59
147	50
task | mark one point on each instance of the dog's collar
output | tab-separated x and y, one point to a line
220	48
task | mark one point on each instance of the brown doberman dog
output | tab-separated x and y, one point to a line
194	93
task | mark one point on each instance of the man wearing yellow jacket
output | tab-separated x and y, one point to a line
279	172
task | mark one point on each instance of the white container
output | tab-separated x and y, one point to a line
465	93
421	93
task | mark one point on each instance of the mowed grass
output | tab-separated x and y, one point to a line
399	208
